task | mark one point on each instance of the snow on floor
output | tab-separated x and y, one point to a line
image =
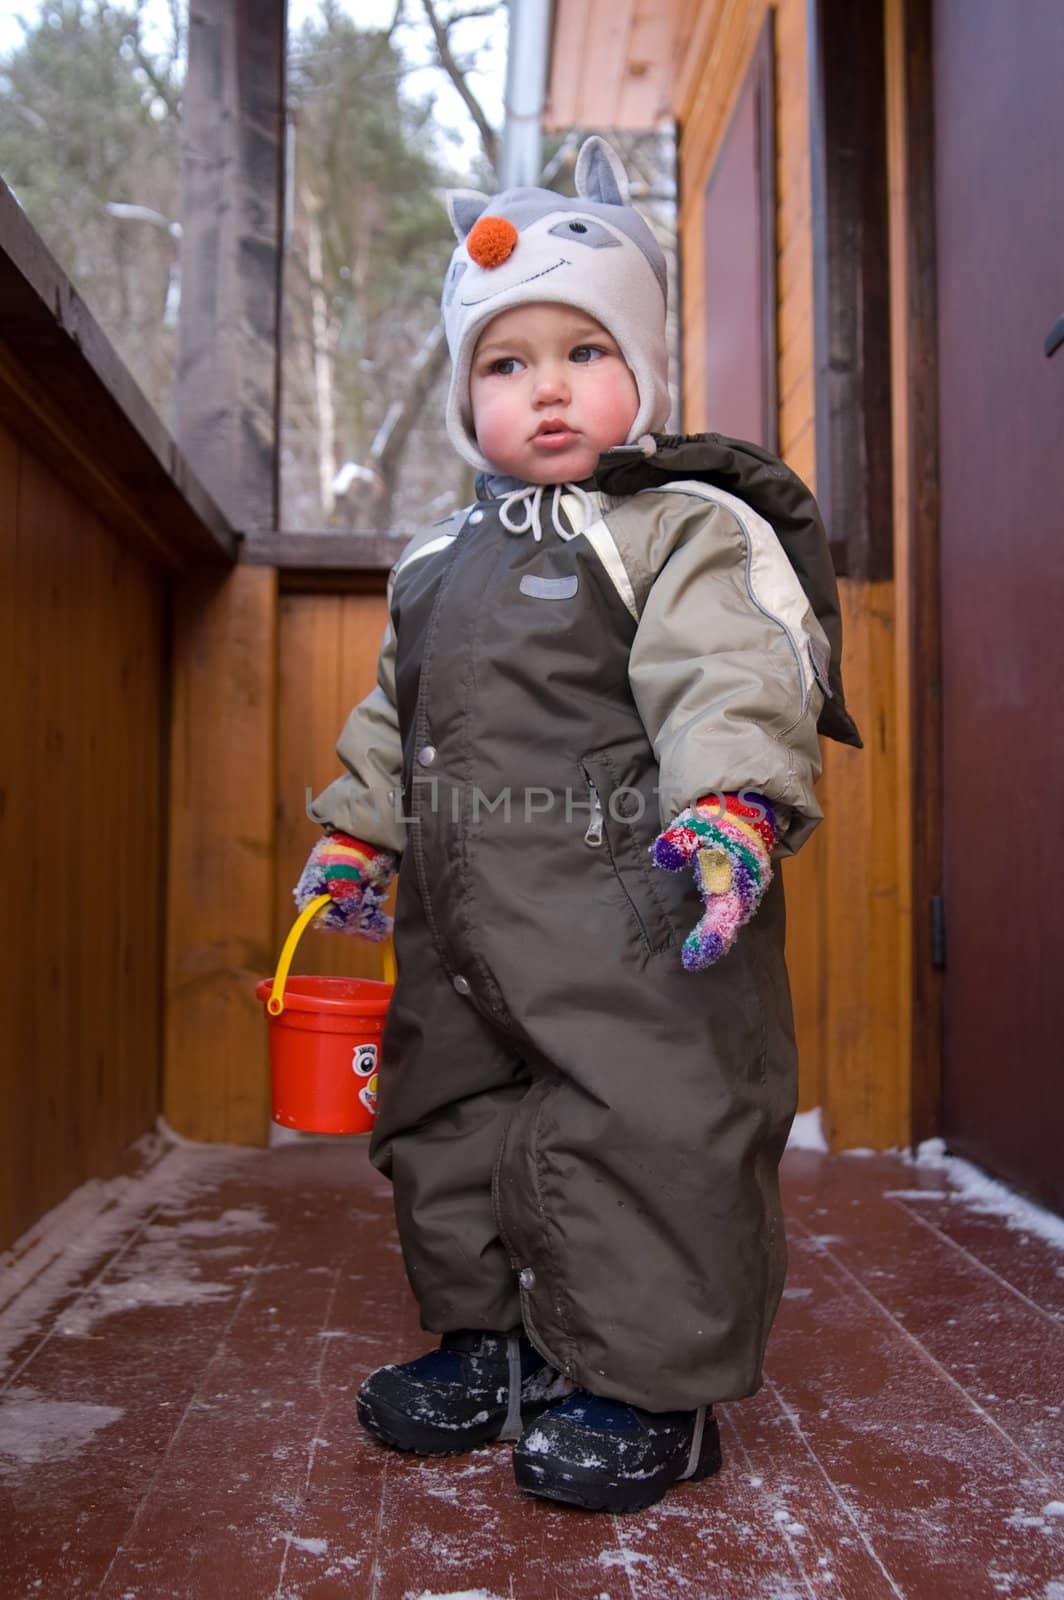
988	1195
125	1215
453	1594
807	1131
981	1193
34	1429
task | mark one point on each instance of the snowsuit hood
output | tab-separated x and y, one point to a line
769	486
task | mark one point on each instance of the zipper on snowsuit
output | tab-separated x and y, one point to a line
593	836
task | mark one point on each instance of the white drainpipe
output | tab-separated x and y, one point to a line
526	89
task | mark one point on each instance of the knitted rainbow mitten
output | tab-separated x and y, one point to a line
357	876
727	843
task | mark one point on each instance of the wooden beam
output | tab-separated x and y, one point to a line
321	552
232	216
66	393
221	890
223	761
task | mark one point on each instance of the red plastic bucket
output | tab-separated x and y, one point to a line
325	1050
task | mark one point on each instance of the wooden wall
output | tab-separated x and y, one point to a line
327	663
264	678
83	641
719	45
848	931
220	861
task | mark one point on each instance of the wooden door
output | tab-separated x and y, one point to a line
999	181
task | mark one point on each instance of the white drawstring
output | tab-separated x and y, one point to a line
530	497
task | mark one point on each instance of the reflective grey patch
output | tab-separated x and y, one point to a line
550	588
584	230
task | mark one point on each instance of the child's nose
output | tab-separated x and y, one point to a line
552	384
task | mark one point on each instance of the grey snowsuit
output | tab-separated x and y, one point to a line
583	1137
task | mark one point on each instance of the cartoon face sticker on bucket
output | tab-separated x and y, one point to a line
364	1062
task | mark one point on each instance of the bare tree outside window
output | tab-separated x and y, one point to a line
390	102
365	375
90	103
365	362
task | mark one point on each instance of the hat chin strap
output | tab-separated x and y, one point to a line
529	498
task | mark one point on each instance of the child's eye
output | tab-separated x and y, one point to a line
505	366
585	353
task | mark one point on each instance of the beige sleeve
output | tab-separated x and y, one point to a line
367	799
721	667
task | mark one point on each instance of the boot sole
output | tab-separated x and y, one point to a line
576	1488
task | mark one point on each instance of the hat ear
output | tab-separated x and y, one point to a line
600	174
464	207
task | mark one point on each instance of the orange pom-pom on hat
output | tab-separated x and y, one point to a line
491	241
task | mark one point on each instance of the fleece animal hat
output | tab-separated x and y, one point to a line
594	252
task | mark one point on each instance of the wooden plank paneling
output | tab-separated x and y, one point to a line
726	50
569	44
697	25
726	40
842	890
644	87
898	203
83	635
610	64
866	1089
914	315
328	646
17	720
220	909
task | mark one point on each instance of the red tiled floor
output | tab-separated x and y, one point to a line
177	1410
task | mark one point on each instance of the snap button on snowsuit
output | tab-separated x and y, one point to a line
427	755
462	986
526	1278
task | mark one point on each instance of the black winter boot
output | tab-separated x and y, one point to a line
476	1387
608	1456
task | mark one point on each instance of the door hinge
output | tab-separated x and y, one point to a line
938	933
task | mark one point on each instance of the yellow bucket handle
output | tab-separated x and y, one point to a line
275	1004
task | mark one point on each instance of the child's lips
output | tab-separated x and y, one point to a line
553	436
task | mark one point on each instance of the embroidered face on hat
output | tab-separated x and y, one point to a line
594	252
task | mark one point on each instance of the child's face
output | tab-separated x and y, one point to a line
550	391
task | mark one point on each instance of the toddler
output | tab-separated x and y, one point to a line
594	731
